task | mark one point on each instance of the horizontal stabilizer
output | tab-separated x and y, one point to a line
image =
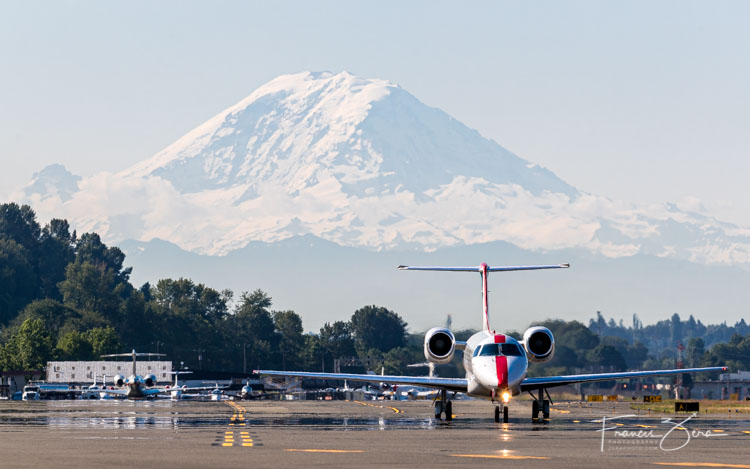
134	354
479	268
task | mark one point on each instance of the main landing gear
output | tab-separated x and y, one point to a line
443	406
540	404
504	411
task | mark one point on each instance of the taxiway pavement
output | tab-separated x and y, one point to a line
354	434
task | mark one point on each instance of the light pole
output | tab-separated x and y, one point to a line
245	345
200	357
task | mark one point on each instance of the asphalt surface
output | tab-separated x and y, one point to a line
354	434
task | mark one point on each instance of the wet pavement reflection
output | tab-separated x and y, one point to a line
187	415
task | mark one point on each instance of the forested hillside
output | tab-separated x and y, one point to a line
68	296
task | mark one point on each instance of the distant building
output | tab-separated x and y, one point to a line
14	380
85	372
735	386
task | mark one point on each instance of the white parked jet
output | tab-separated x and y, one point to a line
135	386
178	392
495	364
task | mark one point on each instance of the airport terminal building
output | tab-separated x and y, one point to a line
85	372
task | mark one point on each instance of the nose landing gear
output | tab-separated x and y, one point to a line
504	412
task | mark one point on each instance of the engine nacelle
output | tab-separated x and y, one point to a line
119	380
539	344
439	345
150	380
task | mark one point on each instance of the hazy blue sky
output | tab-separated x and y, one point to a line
641	101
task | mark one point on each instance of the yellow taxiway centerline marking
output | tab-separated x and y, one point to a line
576	421
702	464
227	444
497	456
247	444
745	431
325	450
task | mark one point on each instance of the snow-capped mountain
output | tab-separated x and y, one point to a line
365	136
52	181
363	163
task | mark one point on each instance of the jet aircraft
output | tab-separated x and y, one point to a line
496	364
178	392
135	386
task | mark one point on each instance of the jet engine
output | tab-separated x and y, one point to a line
539	344
150	380
119	380
439	345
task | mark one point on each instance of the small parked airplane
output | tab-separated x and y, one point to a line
135	386
495	364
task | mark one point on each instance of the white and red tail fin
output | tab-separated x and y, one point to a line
484	270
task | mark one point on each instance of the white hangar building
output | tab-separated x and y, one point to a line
85	372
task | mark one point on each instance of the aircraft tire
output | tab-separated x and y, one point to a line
505	414
497	414
545	409
534	410
449	411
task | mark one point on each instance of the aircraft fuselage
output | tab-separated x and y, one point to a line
490	374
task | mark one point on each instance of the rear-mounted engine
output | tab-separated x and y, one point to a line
439	345
539	344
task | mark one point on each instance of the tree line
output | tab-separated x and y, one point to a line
65	296
68	296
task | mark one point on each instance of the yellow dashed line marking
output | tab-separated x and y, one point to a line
497	456
325	450
576	421
238	419
395	410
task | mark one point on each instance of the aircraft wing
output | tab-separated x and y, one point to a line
116	392
449	384
201	388
529	384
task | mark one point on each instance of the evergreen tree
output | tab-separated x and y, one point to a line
375	327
